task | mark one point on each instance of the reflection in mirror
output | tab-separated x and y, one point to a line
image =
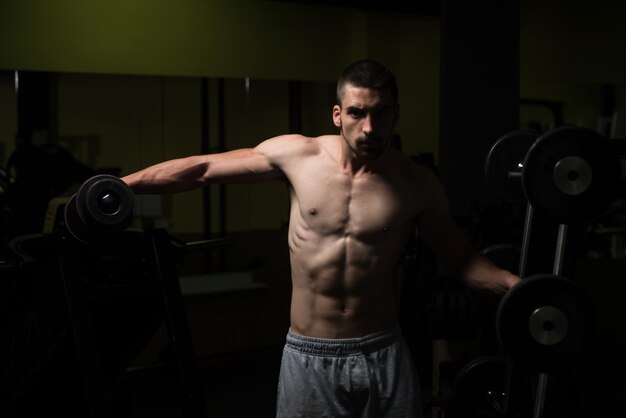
121	123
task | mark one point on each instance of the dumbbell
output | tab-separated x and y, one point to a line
503	166
103	207
570	174
546	322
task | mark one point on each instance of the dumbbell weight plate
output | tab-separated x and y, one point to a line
479	387
485	387
75	224
505	157
571	175
546	322
105	202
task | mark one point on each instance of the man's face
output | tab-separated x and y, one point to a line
366	119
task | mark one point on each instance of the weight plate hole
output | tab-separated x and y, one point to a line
109	202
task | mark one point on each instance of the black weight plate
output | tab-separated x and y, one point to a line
75	225
89	198
479	387
505	157
546	322
485	386
571	174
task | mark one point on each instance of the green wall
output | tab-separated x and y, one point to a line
229	38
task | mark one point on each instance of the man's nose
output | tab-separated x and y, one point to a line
368	126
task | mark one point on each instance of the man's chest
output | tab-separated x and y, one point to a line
335	203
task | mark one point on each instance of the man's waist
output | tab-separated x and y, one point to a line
340	347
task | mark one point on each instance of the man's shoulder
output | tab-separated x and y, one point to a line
293	146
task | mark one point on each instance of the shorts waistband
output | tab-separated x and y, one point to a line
343	346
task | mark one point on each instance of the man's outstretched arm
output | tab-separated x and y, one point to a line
250	165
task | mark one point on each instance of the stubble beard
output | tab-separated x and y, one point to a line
368	149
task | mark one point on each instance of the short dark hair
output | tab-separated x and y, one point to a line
369	74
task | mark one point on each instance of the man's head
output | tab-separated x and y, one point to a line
367	110
369	74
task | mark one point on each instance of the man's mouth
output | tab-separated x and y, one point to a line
370	141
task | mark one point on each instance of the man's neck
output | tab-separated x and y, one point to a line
356	166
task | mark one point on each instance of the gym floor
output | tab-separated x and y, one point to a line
234	387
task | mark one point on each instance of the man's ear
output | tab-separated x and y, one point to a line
337	116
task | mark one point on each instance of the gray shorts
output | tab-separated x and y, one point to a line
369	377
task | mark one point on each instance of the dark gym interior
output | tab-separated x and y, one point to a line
182	311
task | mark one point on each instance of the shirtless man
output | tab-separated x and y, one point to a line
354	202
